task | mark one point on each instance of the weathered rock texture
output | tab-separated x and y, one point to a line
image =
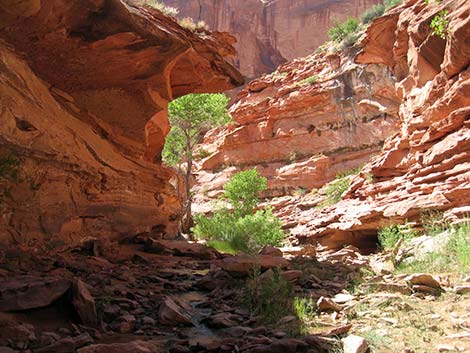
426	165
272	32
85	87
300	133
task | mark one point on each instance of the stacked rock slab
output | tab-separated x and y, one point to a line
302	125
426	165
85	87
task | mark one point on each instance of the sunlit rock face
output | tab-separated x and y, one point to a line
426	165
424	162
302	125
272	32
85	87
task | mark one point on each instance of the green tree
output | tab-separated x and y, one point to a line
191	116
243	191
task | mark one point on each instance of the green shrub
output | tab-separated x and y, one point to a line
335	189
342	29
459	245
249	233
305	310
440	24
9	166
349	40
370	14
222	247
311	80
389	236
241	227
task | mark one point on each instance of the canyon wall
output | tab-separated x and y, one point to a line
271	32
426	165
85	87
302	125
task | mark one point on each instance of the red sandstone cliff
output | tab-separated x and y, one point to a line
85	87
272	32
303	124
426	165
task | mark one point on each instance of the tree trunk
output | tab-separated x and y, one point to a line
189	198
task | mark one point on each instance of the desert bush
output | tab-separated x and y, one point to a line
440	24
166	10
239	226
389	236
342	29
370	14
188	23
391	3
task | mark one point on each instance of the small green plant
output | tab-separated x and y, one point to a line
342	29
311	80
389	236
335	190
270	298
9	166
440	24
305	311
454	258
160	6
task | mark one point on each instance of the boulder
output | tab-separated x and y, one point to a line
327	304
355	344
423	279
84	303
30	292
170	313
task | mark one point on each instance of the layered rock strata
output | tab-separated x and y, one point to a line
426	165
85	87
272	32
302	125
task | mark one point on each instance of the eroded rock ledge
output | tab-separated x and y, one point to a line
427	164
300	126
85	87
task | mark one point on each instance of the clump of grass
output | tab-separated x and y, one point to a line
376	339
166	10
440	24
305	311
389	236
311	80
188	23
335	189
454	258
270	298
391	3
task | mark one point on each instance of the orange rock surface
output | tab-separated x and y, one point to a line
272	32
85	87
427	164
302	125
